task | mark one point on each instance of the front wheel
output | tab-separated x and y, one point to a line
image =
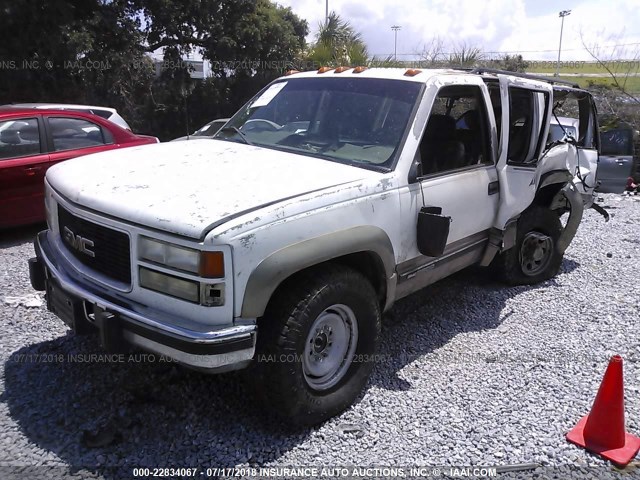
535	256
317	344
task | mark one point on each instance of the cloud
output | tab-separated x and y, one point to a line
528	26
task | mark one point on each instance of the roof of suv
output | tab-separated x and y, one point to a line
420	74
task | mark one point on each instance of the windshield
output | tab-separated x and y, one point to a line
352	121
210	129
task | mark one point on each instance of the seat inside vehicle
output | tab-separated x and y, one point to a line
440	148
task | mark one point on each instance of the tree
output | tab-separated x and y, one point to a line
466	56
620	66
513	63
338	43
97	51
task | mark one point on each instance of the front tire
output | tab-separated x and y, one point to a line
317	344
535	256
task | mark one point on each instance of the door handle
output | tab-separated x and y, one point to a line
494	187
32	171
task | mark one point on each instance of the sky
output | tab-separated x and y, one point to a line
529	27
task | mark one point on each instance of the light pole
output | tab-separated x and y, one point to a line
326	12
563	14
395	29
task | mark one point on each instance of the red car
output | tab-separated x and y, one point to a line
32	140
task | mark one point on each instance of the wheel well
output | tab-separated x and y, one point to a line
368	264
545	195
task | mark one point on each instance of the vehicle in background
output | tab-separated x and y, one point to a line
207	131
616	158
32	140
110	114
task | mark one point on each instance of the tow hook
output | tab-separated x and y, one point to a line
601	211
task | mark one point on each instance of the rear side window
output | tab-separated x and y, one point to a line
74	133
616	142
19	138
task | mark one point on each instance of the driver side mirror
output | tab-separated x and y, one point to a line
433	231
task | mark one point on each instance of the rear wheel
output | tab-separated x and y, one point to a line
317	344
535	256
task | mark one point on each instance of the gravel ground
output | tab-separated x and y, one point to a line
474	373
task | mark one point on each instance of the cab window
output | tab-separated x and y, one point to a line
457	133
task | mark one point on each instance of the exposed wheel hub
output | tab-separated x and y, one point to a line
535	253
329	348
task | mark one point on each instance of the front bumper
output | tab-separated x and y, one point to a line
87	307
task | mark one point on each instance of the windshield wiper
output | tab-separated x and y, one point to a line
243	136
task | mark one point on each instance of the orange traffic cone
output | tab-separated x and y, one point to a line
602	430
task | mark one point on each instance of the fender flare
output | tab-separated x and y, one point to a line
283	263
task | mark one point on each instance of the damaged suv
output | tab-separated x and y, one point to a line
325	199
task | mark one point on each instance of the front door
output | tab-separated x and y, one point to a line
23	163
616	159
458	175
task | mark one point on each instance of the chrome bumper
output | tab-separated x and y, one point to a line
121	323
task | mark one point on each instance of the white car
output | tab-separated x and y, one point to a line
325	199
206	131
110	114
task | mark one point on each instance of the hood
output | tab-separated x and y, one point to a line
188	187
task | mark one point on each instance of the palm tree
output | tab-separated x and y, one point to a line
338	43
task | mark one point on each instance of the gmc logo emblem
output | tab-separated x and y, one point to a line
77	242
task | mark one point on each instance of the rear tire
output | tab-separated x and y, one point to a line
535	256
316	344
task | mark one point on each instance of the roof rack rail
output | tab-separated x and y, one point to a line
552	80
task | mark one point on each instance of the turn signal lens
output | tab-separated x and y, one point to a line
212	264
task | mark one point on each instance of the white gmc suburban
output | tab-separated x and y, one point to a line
330	195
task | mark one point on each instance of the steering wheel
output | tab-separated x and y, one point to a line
261	123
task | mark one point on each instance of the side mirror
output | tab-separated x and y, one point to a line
415	172
433	231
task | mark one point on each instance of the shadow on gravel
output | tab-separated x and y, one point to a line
94	410
20	235
421	323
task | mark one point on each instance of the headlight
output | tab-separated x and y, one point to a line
205	264
170	285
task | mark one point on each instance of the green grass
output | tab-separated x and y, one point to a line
632	84
586	73
579	67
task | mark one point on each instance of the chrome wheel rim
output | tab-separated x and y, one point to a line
535	253
329	347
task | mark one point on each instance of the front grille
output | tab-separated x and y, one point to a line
110	247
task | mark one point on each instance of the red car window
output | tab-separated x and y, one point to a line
75	133
19	138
